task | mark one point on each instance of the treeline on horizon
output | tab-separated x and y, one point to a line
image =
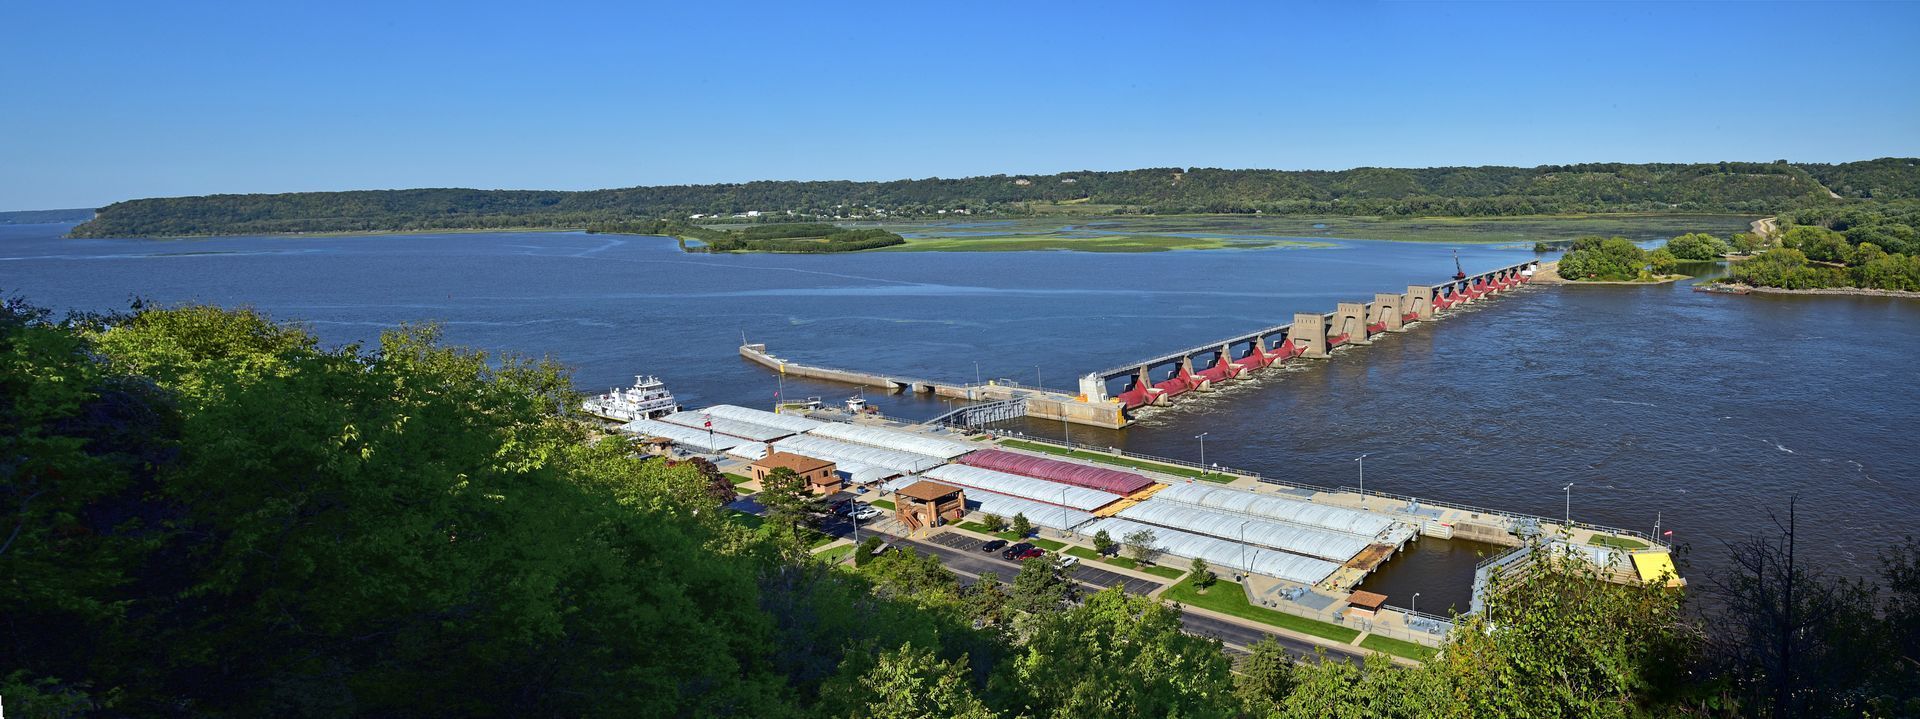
208	514
1745	187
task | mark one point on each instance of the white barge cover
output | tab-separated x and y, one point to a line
894	439
807	445
1339	519
1013	485
1221	553
1309	541
684	436
795	423
745	430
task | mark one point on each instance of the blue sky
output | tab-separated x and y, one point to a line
111	101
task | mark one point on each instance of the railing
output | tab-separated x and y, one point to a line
1116	451
975	415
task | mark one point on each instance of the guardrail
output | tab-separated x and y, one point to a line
1471	508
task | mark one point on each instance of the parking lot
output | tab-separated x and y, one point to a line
1081	572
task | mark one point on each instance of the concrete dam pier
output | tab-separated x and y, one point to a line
1110	397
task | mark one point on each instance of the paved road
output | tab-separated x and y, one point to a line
962	554
971	563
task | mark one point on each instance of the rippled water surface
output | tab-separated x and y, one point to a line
1709	410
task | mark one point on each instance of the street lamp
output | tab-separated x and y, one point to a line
976	371
1362	459
1416	602
1567	520
1243	546
1203	453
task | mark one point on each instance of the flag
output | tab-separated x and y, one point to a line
709	419
1667	533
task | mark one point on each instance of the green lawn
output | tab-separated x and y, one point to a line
750	521
981	528
1048	544
1159	571
1400	648
1227	597
737	479
742	491
1601	540
1118	461
836	554
1085	553
882	503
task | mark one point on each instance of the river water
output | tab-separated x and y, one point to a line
1708	411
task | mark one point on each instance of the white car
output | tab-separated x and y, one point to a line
1067	561
865	512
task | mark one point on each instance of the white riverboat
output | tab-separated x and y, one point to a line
646	399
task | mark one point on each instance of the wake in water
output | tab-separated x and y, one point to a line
1622	401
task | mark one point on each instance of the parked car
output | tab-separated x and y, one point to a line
1067	561
1032	552
1015	551
865	512
994	546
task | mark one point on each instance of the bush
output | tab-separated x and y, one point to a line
1696	246
1610	259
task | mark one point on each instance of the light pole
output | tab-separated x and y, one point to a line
1567	520
976	371
1066	431
1203	453
1362	459
1416	602
1243	547
1036	377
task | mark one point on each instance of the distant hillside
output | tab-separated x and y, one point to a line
1760	188
39	217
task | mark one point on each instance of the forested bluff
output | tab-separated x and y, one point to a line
432	534
1737	187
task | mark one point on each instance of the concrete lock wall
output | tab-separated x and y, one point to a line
1106	414
1311	329
1386	308
1420	301
1350	319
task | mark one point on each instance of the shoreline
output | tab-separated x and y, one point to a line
1549	274
1854	291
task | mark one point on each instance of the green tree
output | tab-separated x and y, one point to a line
1265	676
1040	586
1697	246
1103	543
1613	650
1123	657
988	600
788	501
1143	545
914	683
1202	574
1021	526
1661	262
864	553
994	522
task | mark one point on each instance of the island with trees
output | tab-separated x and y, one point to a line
802	237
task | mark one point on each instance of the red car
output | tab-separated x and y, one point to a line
1030	553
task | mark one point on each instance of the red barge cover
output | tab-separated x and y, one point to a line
1053	470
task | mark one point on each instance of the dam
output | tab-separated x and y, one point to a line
1111	397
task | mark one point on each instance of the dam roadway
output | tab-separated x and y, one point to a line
1110	398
